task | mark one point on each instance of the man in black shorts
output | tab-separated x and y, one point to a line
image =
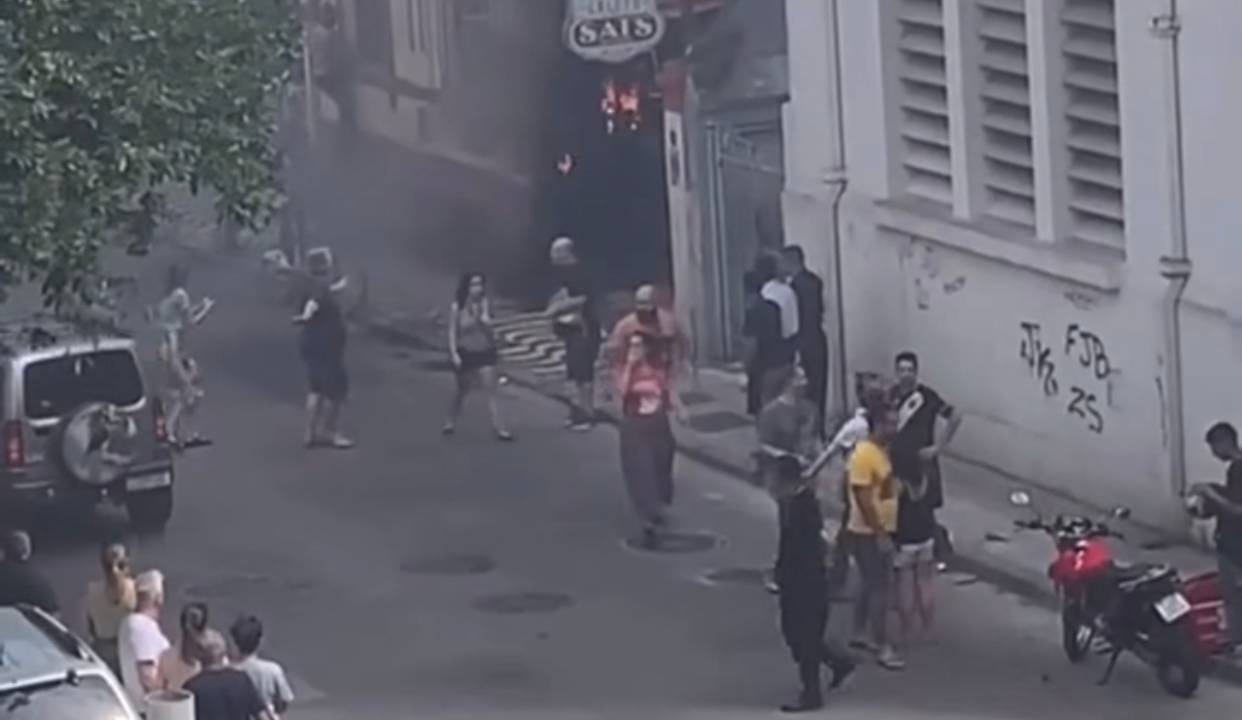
920	439
323	341
575	320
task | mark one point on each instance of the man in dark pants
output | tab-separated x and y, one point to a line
918	444
812	342
802	582
853	431
575	320
1224	502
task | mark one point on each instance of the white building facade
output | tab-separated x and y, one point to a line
1004	187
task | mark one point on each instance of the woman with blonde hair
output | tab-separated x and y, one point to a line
185	659
108	601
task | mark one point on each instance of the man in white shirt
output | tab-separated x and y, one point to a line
141	641
776	289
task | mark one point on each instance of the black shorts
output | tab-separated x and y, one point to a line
472	360
327	378
581	353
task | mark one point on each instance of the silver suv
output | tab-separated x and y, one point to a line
78	423
47	673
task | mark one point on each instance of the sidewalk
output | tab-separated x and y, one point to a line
720	435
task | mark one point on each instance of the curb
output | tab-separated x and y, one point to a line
988	571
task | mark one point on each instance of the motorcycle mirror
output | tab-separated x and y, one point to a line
1019	499
1121	513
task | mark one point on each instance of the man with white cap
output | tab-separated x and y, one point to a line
140	641
576	322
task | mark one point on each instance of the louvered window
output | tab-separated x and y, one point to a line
923	102
1009	172
1093	121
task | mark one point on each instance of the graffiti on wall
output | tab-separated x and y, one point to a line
1074	368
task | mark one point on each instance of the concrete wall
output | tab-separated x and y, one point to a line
471	89
1052	349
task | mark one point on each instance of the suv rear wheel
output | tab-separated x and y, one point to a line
151	509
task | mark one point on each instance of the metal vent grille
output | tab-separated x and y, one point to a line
923	101
1009	172
1093	140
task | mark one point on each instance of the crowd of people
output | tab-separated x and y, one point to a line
122	615
890	488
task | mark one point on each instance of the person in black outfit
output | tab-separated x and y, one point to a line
323	351
918	444
20	582
575	320
220	692
915	552
802	582
768	356
1224	502
812	341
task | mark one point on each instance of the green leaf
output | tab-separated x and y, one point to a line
101	101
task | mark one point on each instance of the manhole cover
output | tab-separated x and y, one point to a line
449	565
522	603
736	576
226	587
673	543
715	422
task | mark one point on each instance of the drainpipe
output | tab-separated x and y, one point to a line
836	179
1174	267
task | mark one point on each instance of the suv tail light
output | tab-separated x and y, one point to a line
161	422
14	444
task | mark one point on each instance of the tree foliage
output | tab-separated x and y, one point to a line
102	101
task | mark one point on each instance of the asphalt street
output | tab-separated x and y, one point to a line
424	577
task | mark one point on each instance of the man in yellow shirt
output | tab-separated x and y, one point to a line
872	521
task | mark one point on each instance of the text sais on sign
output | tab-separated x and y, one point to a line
613	31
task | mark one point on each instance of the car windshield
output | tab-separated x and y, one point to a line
56	386
90	698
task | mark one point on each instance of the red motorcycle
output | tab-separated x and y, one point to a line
1143	609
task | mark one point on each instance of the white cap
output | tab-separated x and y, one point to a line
149	583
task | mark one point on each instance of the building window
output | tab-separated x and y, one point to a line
1093	121
922	102
1008	182
373	33
420	40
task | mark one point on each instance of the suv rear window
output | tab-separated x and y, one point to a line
90	698
56	386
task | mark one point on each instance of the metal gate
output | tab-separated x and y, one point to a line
745	220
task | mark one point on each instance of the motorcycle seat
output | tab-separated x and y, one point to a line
1129	577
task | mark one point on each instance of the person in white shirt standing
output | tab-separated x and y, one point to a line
777	289
141	642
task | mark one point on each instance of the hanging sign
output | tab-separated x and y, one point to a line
613	31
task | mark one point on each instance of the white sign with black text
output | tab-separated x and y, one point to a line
613	31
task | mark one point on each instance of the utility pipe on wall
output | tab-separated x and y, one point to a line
1174	267
837	180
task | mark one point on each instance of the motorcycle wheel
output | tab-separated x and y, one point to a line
1076	633
1179	664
